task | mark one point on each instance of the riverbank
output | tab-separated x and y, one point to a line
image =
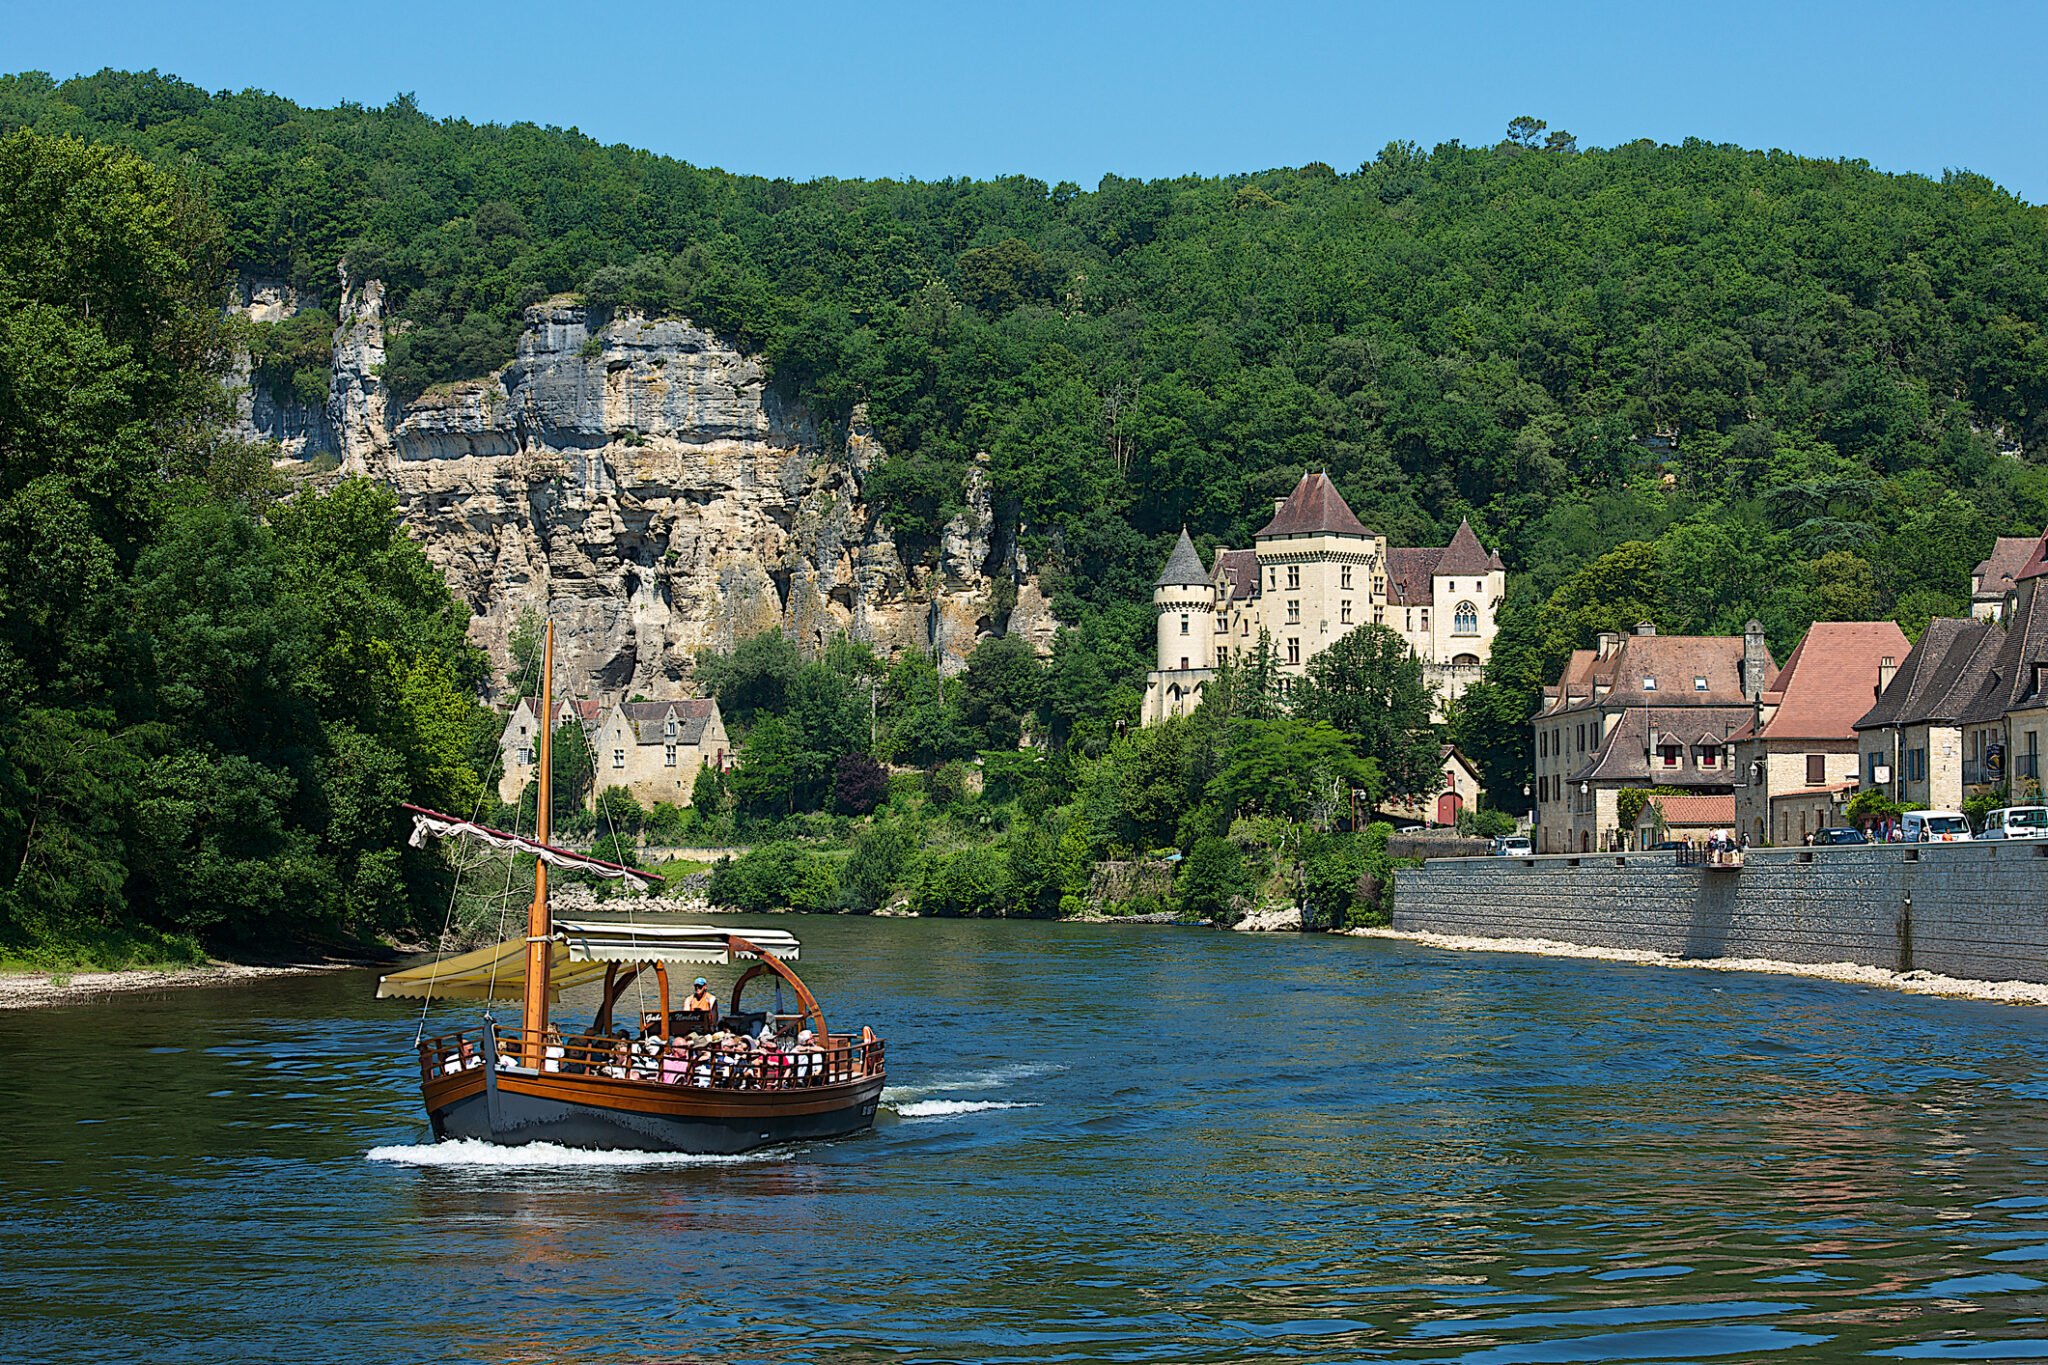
1914	983
30	989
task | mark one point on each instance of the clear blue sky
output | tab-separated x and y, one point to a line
1068	90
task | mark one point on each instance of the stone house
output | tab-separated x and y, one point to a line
1967	711
1460	790
1796	761
519	744
1992	590
1315	573
654	748
1688	819
1640	710
1911	739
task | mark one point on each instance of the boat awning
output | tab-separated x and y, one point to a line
582	950
494	973
613	941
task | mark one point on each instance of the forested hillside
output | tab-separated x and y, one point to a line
1696	383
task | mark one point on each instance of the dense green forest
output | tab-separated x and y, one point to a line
211	700
1691	384
1814	389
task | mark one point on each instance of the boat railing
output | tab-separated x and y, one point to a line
653	1060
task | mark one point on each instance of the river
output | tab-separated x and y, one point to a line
1103	1143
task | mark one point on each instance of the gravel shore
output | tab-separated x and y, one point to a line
26	990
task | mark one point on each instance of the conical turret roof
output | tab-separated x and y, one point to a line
1183	566
1464	555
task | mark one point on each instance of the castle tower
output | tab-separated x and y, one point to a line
1186	605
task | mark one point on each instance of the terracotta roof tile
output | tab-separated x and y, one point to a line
1314	508
1697	811
1831	679
1240	569
1409	576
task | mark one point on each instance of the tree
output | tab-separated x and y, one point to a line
526	644
1369	685
999	691
1281	767
1211	876
859	784
570	772
922	728
770	768
754	678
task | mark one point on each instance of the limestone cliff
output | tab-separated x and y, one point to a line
641	484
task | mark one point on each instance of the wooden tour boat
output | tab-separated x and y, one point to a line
660	1091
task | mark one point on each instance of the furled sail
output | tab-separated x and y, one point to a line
431	823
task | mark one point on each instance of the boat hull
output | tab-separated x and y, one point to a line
594	1112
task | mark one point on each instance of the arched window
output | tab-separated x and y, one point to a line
1465	620
1466	661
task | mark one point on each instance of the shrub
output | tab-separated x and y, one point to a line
772	877
972	882
859	784
668	824
880	857
947	784
1212	874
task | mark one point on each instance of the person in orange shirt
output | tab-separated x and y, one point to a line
703	1002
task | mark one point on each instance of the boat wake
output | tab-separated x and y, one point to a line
469	1152
934	1109
993	1079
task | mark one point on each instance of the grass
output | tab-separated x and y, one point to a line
105	950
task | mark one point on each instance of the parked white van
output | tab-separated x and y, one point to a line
2016	822
1934	827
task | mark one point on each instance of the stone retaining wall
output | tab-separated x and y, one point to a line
1968	910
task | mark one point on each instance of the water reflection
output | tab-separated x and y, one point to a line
1223	1147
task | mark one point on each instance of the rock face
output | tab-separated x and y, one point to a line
641	484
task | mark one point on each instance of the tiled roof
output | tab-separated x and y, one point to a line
1831	679
1239	570
1695	811
1409	574
1183	566
1675	663
1950	666
2036	564
1621	753
1464	556
2009	682
1314	508
2009	558
648	719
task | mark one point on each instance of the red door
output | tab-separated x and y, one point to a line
1447	808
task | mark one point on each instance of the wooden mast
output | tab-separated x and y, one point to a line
540	933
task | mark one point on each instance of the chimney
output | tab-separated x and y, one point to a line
1608	642
1645	628
1887	669
1756	660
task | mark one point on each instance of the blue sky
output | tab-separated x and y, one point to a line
1068	90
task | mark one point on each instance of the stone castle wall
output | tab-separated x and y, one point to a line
1977	911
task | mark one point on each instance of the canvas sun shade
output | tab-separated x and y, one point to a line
581	952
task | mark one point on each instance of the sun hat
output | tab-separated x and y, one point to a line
700	981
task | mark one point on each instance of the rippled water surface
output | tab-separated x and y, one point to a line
1104	1143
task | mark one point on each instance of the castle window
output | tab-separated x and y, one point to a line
1345	578
1465	621
1222	655
668	758
1425	620
1379	616
1294	575
1183	623
618	758
1466	661
1293	649
1408	621
1183	663
1272	577
1344	611
1244	627
1379	586
1294	609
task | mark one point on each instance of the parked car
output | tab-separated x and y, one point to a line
1934	827
1513	846
2016	822
1840	834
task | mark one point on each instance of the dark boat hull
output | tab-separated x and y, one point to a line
638	1116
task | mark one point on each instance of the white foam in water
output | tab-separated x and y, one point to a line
994	1079
469	1152
932	1109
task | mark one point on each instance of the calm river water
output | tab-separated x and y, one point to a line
1107	1143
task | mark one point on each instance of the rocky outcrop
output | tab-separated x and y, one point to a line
639	482
301	430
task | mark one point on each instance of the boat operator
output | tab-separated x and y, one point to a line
703	1002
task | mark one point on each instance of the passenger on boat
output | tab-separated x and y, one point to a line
810	1058
675	1061
622	1060
552	1050
464	1060
771	1067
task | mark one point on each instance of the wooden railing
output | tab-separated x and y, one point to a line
656	1061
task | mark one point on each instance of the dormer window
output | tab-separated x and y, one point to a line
1649	684
1699	684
